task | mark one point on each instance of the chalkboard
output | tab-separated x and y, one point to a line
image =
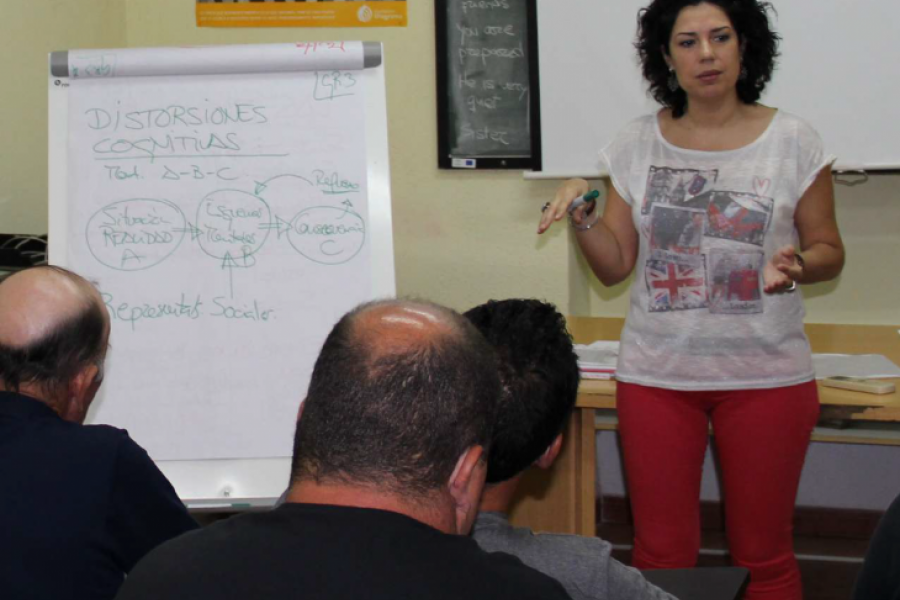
231	203
487	80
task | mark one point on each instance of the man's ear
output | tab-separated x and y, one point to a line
465	486
549	456
80	393
300	410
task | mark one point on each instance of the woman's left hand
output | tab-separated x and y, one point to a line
782	271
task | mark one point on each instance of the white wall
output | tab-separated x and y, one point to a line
30	30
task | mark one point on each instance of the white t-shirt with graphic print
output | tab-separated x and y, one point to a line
708	223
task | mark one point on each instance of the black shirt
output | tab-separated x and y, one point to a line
333	552
879	578
79	505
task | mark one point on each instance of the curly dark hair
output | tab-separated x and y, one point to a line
749	19
539	373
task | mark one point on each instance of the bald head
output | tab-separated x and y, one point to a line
394	327
399	391
52	325
37	301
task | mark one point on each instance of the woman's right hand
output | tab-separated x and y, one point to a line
559	206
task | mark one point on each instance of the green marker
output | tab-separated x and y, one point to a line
582	200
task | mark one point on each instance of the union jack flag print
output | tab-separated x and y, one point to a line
677	283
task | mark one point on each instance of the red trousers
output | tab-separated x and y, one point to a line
761	438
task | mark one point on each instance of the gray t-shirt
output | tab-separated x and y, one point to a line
582	564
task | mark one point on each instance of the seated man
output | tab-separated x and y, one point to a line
879	578
388	469
539	373
79	505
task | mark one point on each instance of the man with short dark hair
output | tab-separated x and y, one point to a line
387	473
879	577
539	373
79	505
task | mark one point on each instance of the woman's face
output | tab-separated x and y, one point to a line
705	52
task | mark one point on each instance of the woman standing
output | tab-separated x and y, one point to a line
710	199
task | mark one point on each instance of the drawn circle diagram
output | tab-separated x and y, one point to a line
233	225
135	234
327	235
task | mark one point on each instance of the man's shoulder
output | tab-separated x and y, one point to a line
190	561
99	439
105	433
578	562
254	541
297	547
73	442
497	535
502	575
515	579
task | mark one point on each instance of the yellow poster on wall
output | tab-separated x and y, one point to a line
301	13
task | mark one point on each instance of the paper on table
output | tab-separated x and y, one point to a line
871	366
599	375
598	356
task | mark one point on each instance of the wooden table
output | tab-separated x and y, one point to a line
563	499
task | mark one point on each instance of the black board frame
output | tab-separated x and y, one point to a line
445	135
